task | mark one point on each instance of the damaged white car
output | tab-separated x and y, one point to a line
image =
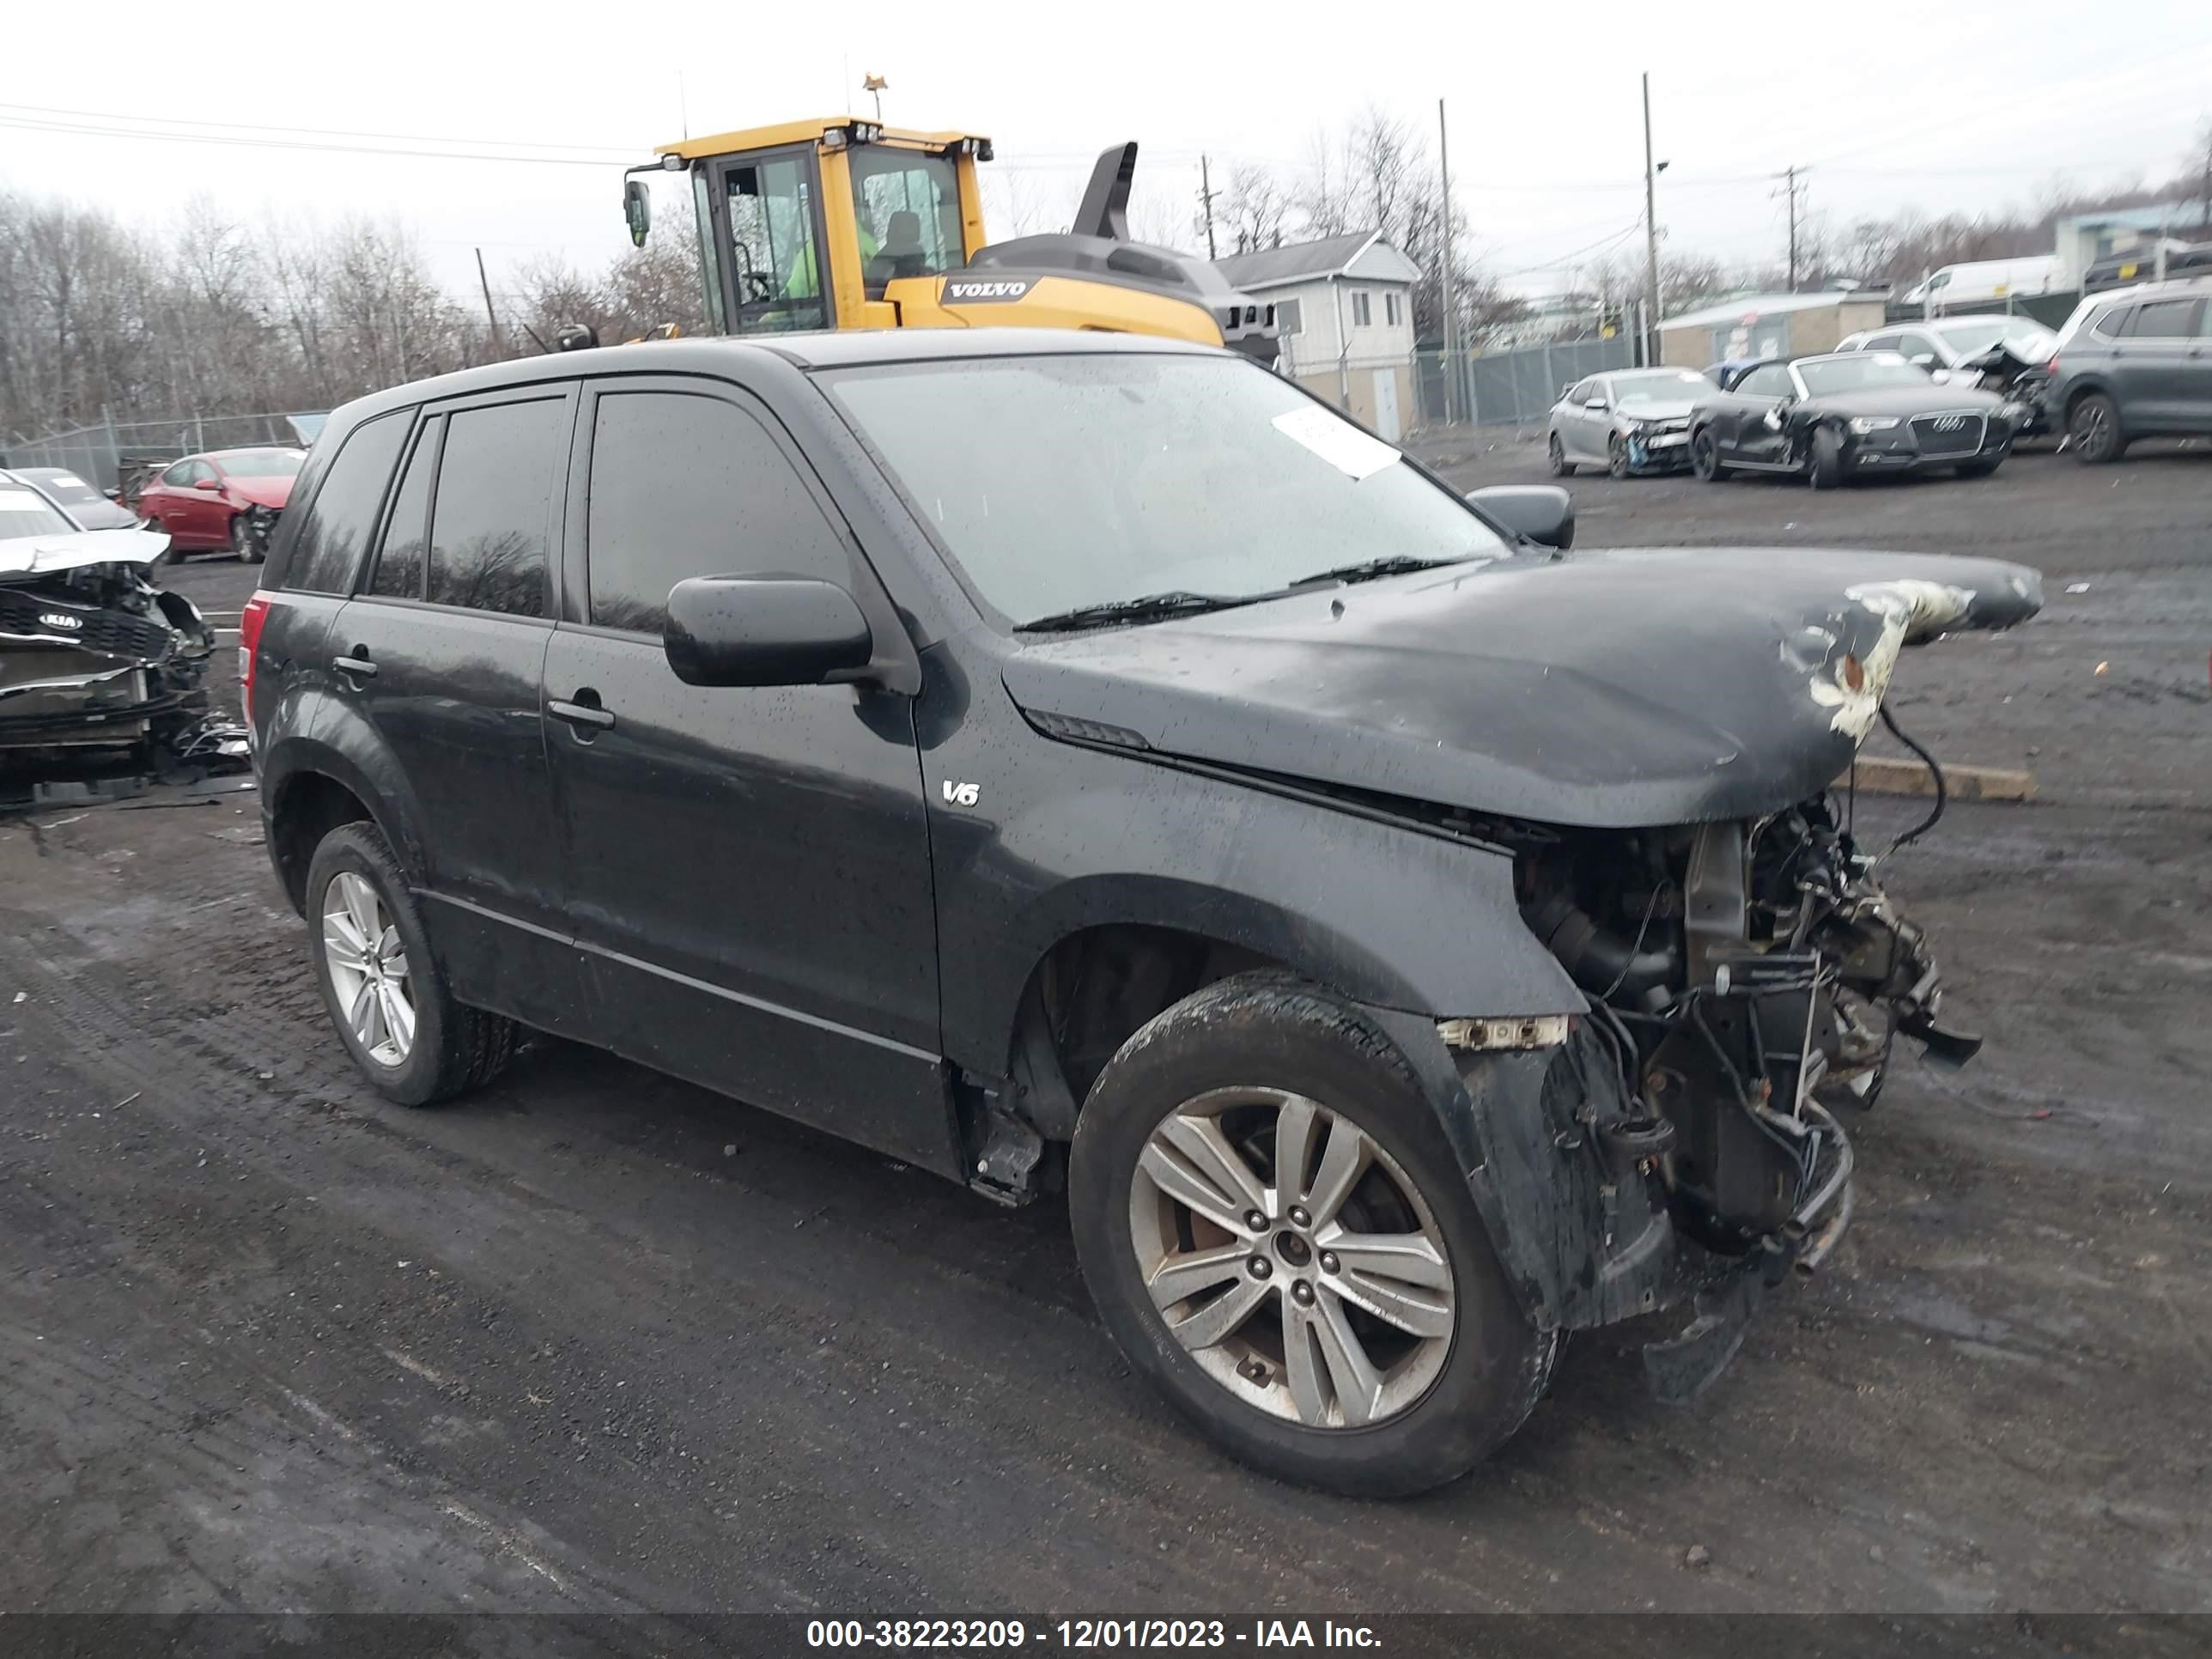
98	666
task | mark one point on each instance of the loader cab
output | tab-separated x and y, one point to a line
808	225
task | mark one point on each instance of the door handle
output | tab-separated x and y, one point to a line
357	664
584	716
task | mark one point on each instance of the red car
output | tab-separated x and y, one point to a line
225	500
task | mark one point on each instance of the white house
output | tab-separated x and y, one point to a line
1343	306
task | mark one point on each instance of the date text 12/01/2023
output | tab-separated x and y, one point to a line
1082	1634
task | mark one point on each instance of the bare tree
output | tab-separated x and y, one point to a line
1252	210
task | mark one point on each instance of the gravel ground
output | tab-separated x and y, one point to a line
597	1341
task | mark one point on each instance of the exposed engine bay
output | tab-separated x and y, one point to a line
100	667
1747	980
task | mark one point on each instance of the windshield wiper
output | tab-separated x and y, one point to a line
1397	564
1145	607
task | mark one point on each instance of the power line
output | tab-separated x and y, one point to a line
144	137
124	117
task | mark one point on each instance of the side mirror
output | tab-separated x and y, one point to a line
1542	513
208	484
1921	359
1597	406
1941	376
637	210
112	494
765	630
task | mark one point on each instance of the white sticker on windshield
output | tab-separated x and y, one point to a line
1355	454
69	481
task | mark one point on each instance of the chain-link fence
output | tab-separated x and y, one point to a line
1510	388
102	454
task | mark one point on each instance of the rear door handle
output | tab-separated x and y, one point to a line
357	664
581	714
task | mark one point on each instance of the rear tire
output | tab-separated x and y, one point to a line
1561	466
450	1049
2093	428
1283	1046
1827	471
1705	457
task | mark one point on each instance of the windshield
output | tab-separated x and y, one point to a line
1060	482
26	512
261	463
1661	386
1859	370
2030	341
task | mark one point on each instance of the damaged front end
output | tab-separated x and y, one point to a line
99	666
1746	981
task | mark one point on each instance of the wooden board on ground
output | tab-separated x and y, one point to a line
1879	774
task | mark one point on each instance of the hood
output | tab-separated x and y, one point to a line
1662	409
1907	400
262	492
41	555
1609	689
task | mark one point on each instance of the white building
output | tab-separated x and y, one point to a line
1345	309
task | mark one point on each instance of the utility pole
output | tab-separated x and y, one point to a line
1790	176
1206	201
490	316
1445	277
1651	233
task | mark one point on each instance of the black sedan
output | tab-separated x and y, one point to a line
1846	414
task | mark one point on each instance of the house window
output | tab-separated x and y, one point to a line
1361	314
1393	308
1289	318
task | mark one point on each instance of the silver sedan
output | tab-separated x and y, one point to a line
1634	420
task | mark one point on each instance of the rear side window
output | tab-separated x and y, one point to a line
688	484
489	526
2164	320
342	515
398	573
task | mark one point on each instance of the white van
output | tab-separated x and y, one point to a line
1980	281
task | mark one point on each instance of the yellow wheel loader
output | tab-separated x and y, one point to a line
847	223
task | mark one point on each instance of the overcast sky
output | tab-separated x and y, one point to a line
1949	106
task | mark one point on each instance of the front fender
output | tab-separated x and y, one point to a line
1073	838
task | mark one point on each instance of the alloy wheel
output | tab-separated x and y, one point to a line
1292	1258
2093	428
367	967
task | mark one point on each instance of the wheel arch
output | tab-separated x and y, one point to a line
308	787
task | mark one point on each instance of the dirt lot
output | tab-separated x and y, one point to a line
599	1341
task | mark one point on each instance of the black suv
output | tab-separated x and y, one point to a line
1067	760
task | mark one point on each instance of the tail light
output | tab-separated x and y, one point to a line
249	646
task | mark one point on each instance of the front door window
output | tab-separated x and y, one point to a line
775	260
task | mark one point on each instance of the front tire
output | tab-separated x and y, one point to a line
1616	456
2093	426
386	993
1705	457
1561	466
1277	1234
1827	471
244	546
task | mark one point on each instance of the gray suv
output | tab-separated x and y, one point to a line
2133	363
